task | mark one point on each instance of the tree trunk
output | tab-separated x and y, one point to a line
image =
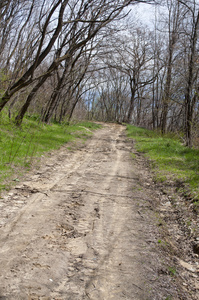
50	108
26	78
189	100
20	116
174	14
131	107
164	117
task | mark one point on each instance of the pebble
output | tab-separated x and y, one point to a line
187	266
197	285
35	177
19	187
20	202
167	204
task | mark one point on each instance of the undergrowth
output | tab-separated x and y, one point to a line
170	159
19	146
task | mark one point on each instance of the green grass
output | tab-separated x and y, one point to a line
170	160
168	298
18	146
172	271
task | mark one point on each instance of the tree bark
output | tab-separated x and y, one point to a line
27	77
21	114
132	101
190	100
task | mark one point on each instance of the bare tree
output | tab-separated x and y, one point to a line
133	56
76	22
173	33
191	94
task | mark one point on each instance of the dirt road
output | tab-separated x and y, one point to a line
81	227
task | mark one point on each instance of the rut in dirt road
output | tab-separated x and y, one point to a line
80	233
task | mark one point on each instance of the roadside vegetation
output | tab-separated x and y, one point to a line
93	60
171	161
19	146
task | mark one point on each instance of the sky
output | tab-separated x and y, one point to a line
145	13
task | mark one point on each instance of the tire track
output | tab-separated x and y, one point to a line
81	234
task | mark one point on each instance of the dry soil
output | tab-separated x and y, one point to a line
83	226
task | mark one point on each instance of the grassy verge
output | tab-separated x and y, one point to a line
19	146
170	160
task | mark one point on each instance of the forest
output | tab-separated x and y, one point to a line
96	60
99	149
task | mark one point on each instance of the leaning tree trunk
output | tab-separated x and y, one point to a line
21	114
73	108
27	78
54	99
50	108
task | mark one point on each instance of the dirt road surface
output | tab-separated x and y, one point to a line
81	227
